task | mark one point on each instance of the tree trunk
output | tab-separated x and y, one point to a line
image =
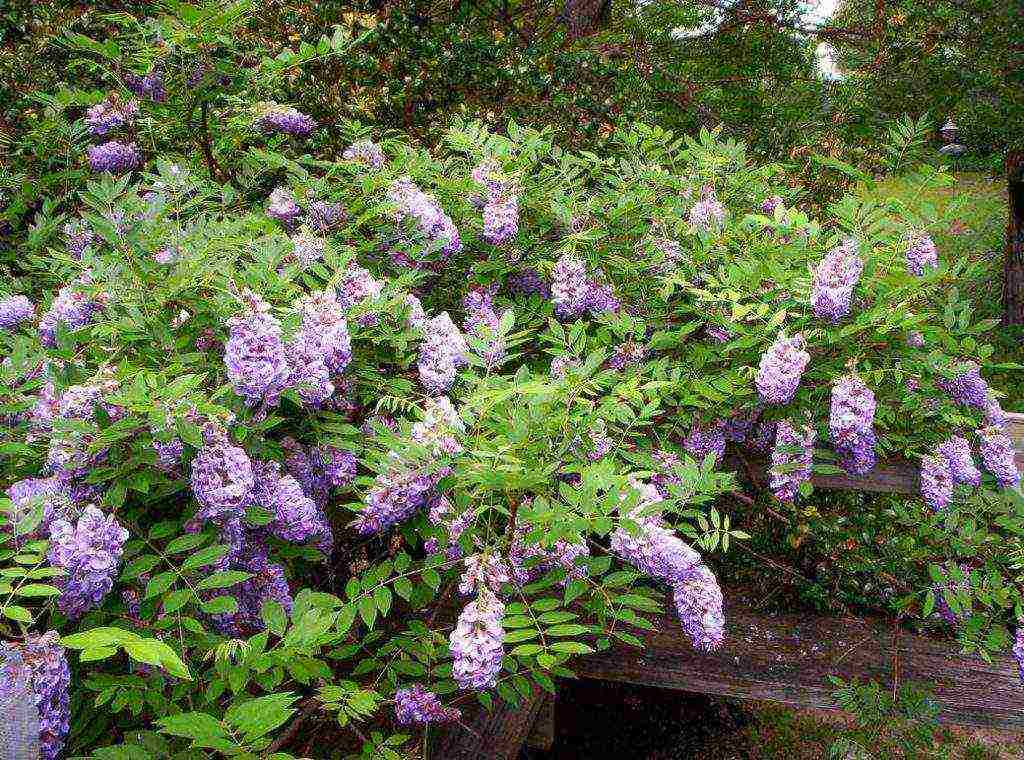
1013	264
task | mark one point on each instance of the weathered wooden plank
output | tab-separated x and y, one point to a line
542	734
498	734
895	476
787	658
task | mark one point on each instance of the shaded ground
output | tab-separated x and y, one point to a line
596	720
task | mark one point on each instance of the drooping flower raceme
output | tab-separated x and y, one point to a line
89	552
110	114
501	218
397	494
851	424
656	551
282	206
324	325
569	286
294	516
483	322
967	387
149	86
418	209
957	452
477	643
50	495
308	248
936	482
997	455
114	157
441	427
365	152
276	118
415	705
71	308
442	353
222	478
781	368
14	310
254	354
357	285
791	459
698	601
703	440
921	253
527	561
483	571
708	213
833	281
40	666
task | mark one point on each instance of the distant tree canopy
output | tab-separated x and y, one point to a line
950	57
585	65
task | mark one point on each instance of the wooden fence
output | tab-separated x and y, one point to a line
780	658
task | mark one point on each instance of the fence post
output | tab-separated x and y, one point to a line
1013	263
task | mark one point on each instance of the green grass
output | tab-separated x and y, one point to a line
781	733
967	222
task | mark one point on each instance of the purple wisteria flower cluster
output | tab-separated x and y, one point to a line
921	253
111	114
655	550
365	152
851	424
40	667
254	354
706	439
442	353
89	551
78	237
791	459
529	282
956	450
415	705
708	213
274	118
14	310
483	572
477	642
781	368
441	428
484	323
574	294
114	157
151	85
501	205
771	203
356	287
295	517
936	482
397	494
419	212
71	308
282	206
833	281
222	478
443	515
321	348
997	454
527	561
308	248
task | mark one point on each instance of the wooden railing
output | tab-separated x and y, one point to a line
780	658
